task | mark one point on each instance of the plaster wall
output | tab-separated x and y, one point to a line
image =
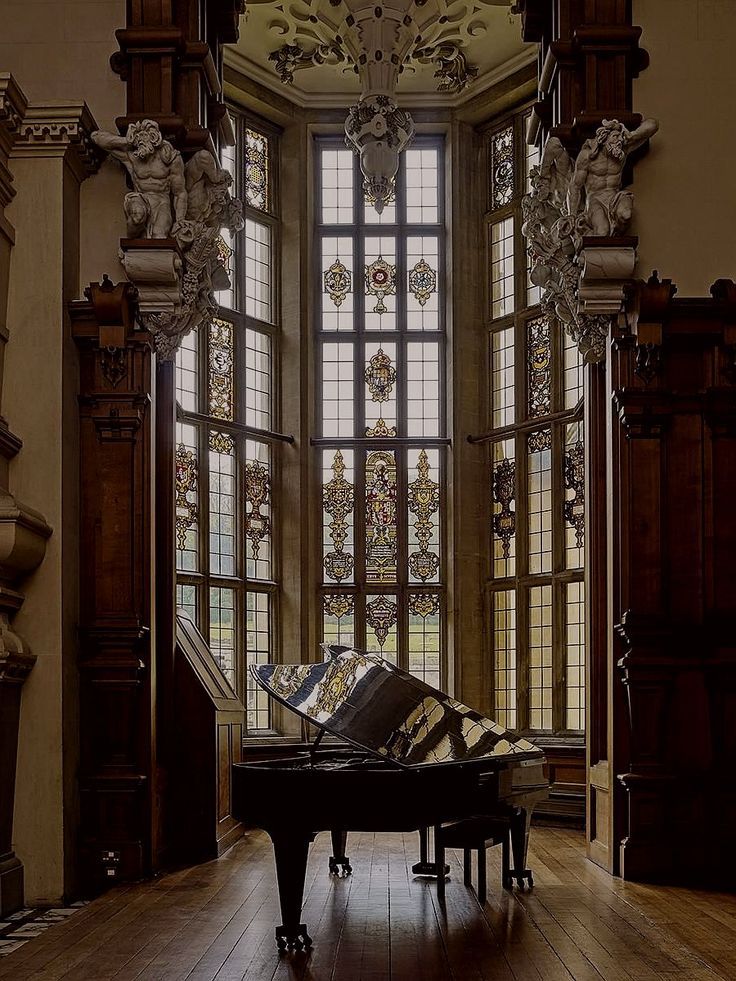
685	201
60	49
66	236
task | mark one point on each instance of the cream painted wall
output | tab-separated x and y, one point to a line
66	235
685	193
60	49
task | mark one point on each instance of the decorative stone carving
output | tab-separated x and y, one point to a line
175	215
158	201
453	72
569	218
378	131
596	181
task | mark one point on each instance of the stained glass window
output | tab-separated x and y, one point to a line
257	170
380	342
536	505
502	167
226	444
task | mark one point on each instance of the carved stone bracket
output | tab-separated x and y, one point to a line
155	268
573	223
13	106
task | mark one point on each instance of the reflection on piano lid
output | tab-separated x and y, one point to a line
376	706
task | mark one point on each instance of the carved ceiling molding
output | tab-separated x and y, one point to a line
378	41
13	106
60	129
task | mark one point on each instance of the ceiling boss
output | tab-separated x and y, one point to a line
378	40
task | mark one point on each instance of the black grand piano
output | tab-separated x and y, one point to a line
417	758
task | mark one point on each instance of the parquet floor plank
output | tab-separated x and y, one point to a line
215	922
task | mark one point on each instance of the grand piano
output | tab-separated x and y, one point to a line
416	758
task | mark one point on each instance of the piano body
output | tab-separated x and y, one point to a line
420	758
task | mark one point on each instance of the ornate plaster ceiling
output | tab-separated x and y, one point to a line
448	49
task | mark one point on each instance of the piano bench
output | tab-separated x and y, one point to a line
475	833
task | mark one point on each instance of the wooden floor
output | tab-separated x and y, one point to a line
216	921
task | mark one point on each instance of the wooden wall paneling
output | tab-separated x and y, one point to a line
209	736
116	685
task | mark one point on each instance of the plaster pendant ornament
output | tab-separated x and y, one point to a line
377	130
175	215
572	201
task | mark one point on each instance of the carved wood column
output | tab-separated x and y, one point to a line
170	61
589	57
118	778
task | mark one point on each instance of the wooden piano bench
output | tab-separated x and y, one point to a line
479	834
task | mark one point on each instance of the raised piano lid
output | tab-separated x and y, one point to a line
377	707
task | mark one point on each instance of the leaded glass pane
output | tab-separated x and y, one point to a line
380	389
222	630
381	617
222	511
502	376
257	170
575	661
258	374
186	599
422	186
423	388
503	491
226	252
502	167
187	372
539	500
187	498
338	283
336	173
573	466
422	272
531	155
257	651
337	404
338	618
540	657
380	516
258	270
504	657
502	268
538	367
380	283
338	514
573	380
424	637
257	478
220	370
423	498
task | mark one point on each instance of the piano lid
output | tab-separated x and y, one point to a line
378	707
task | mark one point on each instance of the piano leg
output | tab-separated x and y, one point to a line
291	851
520	821
339	862
424	866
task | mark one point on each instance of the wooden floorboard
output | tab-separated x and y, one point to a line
215	922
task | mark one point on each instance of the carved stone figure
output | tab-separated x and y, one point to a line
598	172
569	203
159	198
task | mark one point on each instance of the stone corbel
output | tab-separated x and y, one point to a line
607	269
13	106
155	268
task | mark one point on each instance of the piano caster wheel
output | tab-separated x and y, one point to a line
340	866
293	941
